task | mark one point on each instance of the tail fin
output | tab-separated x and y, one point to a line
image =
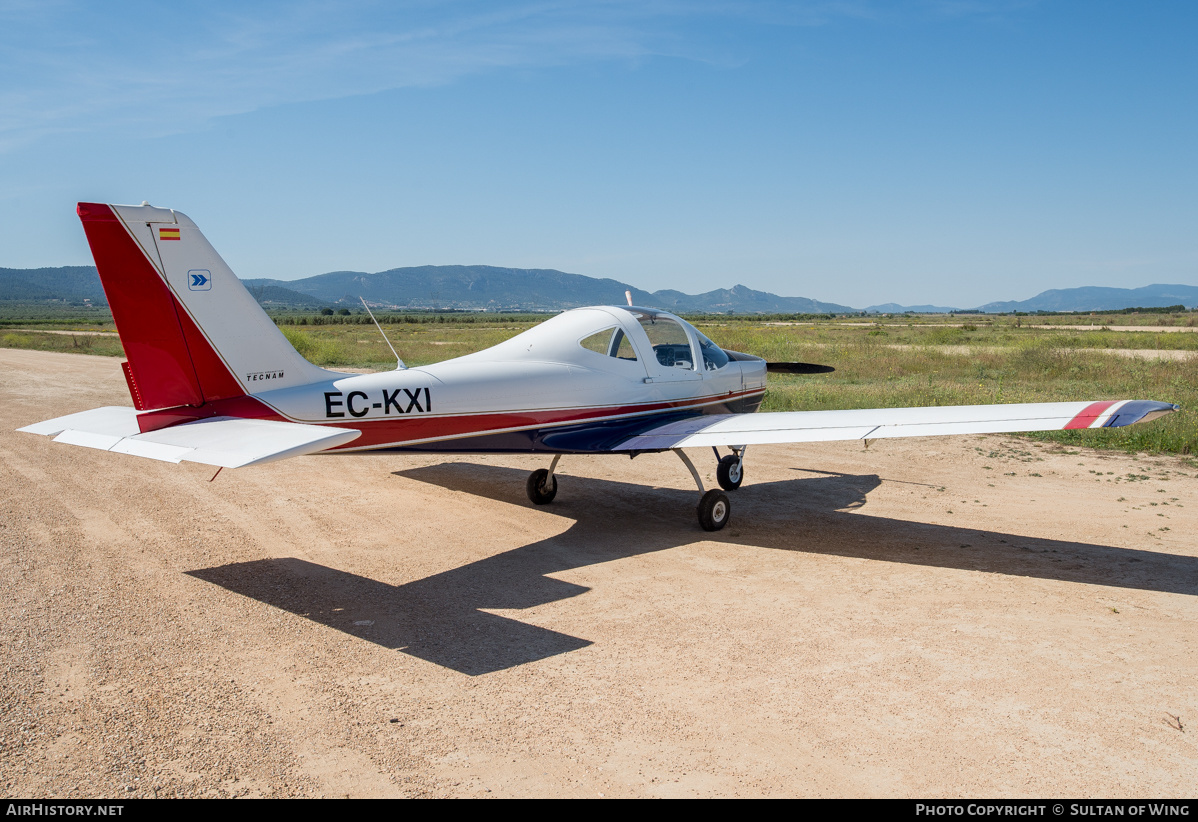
191	331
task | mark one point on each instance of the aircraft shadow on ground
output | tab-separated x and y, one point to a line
441	618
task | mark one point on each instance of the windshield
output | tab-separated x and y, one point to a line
714	357
670	345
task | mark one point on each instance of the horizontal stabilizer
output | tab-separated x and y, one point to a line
881	423
229	442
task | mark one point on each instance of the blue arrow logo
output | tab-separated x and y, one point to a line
199	280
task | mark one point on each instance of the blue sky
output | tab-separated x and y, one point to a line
953	152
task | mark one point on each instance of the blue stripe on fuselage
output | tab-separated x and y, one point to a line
581	438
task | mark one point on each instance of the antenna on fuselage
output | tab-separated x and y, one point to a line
399	366
628	296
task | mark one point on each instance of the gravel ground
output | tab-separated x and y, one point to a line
938	617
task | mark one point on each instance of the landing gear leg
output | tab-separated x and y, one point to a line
731	470
542	484
714	508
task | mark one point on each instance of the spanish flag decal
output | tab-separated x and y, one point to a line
168	233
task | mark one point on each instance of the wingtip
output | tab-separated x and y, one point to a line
1138	411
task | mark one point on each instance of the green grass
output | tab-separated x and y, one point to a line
71	343
361	346
980	333
53	314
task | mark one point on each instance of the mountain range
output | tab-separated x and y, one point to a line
73	283
1099	298
483	287
537	289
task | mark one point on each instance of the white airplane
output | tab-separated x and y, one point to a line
214	381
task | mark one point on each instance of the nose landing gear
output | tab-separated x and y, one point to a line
714	508
542	485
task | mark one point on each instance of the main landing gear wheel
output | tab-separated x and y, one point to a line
540	491
714	510
730	473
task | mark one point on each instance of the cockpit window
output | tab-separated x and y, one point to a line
621	348
598	342
714	357
669	341
610	342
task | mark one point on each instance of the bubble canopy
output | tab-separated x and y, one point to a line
671	338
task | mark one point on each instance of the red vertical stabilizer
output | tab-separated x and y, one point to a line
145	313
193	334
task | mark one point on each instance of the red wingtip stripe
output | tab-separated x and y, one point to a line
1088	414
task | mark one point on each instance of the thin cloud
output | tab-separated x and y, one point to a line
157	69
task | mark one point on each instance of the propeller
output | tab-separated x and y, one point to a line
797	368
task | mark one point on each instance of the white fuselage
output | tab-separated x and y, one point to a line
510	396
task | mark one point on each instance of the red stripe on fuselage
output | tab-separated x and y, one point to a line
397	432
1088	414
243	407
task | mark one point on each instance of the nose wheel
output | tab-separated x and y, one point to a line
542	484
714	510
541	487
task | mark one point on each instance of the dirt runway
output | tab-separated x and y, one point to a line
972	616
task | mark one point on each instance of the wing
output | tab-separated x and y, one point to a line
225	441
880	423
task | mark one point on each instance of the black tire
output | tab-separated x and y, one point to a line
540	492
730	473
714	510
